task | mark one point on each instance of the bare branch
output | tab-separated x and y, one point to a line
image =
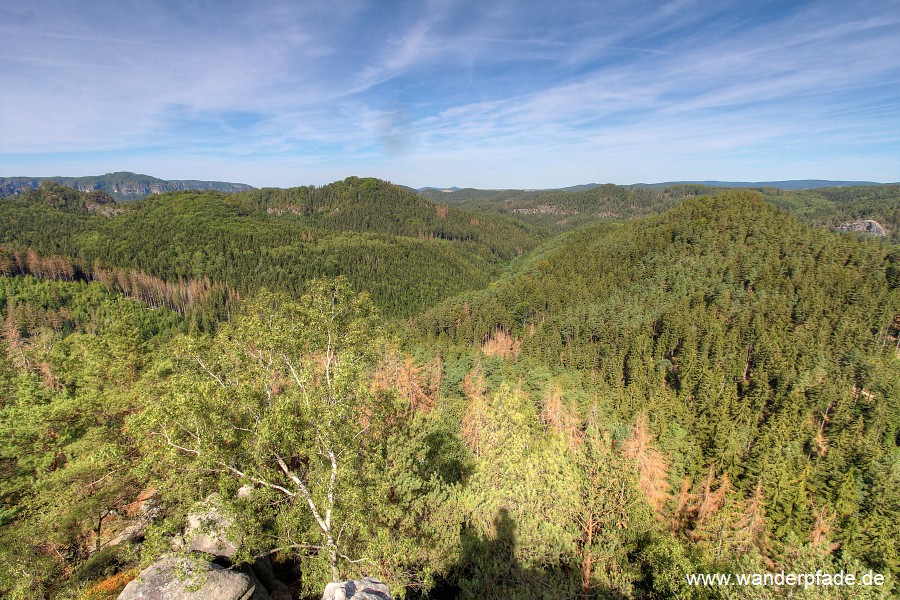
211	374
361	431
328	356
262	482
350	560
358	433
295	376
287	361
176	446
309	499
289	547
93	483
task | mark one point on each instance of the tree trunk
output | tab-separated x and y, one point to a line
333	558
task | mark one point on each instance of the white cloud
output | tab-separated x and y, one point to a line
462	94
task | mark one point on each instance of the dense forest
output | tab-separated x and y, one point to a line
407	253
466	399
574	207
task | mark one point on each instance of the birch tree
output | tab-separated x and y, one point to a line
277	399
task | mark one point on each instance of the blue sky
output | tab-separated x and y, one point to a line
525	94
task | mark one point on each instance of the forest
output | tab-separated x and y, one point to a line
560	210
576	394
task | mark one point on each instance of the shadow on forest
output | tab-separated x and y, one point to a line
488	570
446	456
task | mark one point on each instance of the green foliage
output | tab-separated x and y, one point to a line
665	564
404	251
831	207
278	400
711	389
614	520
570	208
73	352
766	342
516	532
575	207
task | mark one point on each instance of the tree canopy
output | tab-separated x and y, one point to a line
710	389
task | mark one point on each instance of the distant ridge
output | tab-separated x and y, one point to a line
122	185
791	184
437	189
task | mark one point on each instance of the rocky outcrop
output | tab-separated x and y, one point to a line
367	588
259	590
209	530
130	523
263	571
202	567
867	226
178	578
121	185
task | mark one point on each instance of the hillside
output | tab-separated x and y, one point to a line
479	409
406	252
122	185
759	350
561	210
373	205
723	246
833	207
570	208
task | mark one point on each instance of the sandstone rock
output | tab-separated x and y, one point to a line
137	516
262	568
208	529
866	226
176	578
367	588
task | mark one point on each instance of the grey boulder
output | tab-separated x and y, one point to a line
367	588
209	529
177	578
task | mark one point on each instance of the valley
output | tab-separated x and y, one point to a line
585	393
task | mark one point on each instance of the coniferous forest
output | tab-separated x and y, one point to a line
576	394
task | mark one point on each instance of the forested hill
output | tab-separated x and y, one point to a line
719	252
565	209
834	207
761	351
368	204
122	185
570	208
402	249
711	389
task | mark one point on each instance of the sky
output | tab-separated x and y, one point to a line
488	94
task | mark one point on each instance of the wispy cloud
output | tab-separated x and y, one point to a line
495	94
